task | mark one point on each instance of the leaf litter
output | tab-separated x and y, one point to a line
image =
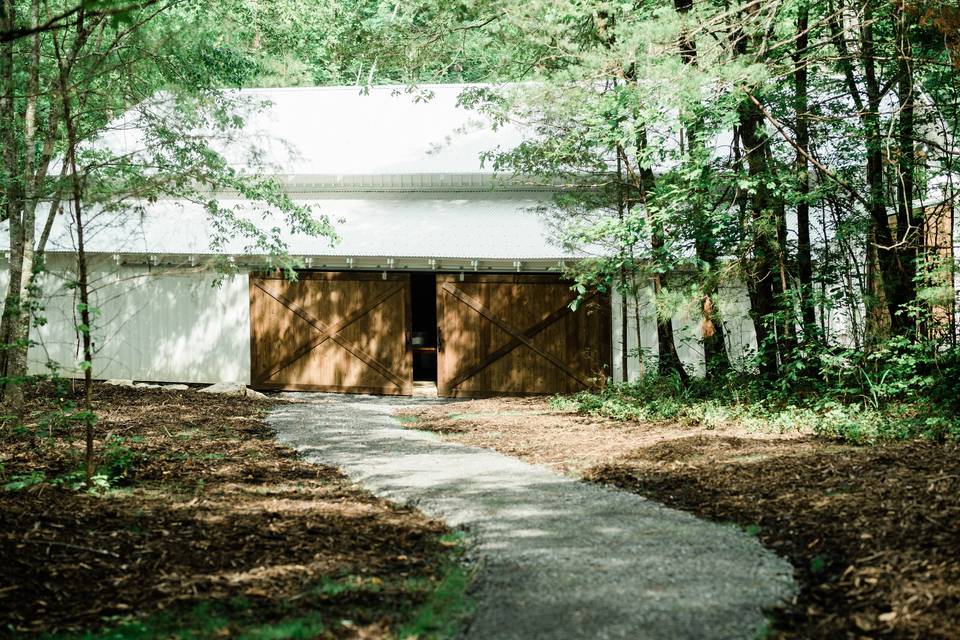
872	532
208	509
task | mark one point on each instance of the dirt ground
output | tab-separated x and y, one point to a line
211	512
873	532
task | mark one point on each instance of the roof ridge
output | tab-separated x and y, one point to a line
375	87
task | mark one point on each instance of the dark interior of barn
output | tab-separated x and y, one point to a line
423	303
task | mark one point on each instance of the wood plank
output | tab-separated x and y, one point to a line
479	358
489	315
331	331
529	333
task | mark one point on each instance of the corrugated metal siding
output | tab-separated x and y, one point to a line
152	325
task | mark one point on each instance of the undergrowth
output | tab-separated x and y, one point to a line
894	393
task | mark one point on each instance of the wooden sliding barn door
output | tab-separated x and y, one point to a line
516	334
331	332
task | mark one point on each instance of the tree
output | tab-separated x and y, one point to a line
57	104
803	157
68	16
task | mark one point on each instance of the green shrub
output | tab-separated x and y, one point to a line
901	390
119	460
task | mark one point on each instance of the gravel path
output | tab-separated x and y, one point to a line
556	558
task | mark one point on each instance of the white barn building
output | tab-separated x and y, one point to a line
442	270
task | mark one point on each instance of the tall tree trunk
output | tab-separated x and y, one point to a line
764	218
83	281
22	198
716	360
763	221
876	311
83	288
12	203
896	281
911	234
668	361
624	312
21	323
895	272
786	312
638	327
624	328
802	107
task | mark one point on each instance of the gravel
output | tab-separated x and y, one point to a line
555	557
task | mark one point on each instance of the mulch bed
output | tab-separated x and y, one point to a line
873	532
211	510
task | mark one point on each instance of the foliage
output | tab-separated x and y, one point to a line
900	391
24	481
73	79
772	144
791	147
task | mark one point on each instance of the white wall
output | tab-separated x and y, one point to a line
153	324
734	306
167	325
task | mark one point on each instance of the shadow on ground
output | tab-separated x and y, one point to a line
557	558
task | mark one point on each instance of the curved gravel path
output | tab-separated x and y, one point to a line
556	558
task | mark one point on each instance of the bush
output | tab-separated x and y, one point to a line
902	390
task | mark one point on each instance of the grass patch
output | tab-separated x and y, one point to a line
447	608
443	611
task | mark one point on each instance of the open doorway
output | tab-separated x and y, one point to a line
423	302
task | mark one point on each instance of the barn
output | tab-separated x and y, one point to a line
442	274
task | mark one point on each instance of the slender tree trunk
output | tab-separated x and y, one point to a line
764	218
716	360
760	276
12	211
638	328
21	323
895	268
787	332
668	360
26	190
804	252
624	329
624	312
911	234
83	287
22	195
26	187
876	310
83	282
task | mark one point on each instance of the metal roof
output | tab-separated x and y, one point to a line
401	176
447	227
398	176
343	131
